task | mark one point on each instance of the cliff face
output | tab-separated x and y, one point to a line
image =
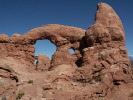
99	68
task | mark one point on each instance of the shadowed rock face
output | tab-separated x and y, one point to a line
98	70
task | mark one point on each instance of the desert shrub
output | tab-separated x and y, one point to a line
20	95
4	98
97	79
53	92
30	81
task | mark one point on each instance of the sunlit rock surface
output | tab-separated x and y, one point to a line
98	69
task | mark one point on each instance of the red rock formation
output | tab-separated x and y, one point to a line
98	70
105	60
43	63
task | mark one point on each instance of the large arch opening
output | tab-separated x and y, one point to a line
72	51
44	47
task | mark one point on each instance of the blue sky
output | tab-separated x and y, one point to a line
20	16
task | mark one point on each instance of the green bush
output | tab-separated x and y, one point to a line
4	98
53	92
30	81
97	79
20	95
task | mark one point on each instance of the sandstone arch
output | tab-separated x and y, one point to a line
100	51
64	37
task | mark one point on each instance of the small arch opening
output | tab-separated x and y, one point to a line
72	51
35	61
44	47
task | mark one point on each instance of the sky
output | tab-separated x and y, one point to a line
20	16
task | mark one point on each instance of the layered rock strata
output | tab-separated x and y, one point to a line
98	69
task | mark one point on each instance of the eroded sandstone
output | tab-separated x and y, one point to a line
98	69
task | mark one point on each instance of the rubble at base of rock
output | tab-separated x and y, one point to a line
98	69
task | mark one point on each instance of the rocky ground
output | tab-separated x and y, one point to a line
98	70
